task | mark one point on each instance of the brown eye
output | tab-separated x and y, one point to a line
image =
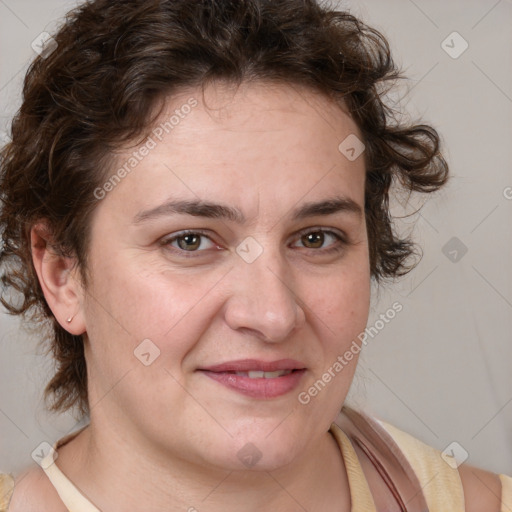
322	241
313	240
189	242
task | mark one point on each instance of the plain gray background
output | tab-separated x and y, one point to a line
441	369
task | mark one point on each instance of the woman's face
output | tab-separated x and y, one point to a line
180	327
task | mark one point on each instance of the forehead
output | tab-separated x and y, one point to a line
254	111
278	140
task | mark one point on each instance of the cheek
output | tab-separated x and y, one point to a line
339	313
342	305
128	309
128	306
342	314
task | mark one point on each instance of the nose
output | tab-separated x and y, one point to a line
263	302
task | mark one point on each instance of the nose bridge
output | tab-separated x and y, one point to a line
263	298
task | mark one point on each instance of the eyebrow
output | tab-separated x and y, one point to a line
200	208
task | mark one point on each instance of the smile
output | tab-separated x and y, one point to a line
257	374
258	384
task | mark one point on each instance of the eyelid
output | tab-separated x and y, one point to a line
167	240
339	235
341	239
323	229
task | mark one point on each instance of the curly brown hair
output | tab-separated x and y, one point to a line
114	62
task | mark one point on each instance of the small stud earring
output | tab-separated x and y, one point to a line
69	320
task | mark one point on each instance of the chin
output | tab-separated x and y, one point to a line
257	453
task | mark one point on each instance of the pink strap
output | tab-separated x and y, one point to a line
370	439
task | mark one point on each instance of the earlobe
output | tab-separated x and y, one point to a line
58	278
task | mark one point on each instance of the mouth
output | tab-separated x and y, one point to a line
258	374
257	379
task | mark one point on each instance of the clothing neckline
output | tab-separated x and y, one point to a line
69	494
360	496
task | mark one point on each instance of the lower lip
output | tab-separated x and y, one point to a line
258	388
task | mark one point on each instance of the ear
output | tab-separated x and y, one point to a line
59	279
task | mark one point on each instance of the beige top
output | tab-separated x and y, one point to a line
440	482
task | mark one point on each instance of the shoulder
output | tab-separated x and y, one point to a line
6	488
480	490
33	492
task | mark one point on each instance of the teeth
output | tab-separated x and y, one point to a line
257	374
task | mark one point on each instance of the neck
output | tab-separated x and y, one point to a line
117	471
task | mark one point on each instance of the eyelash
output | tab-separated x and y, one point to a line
336	247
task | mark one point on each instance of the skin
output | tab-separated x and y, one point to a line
165	434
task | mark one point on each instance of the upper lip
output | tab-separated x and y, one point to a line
245	365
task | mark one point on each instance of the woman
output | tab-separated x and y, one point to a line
196	200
